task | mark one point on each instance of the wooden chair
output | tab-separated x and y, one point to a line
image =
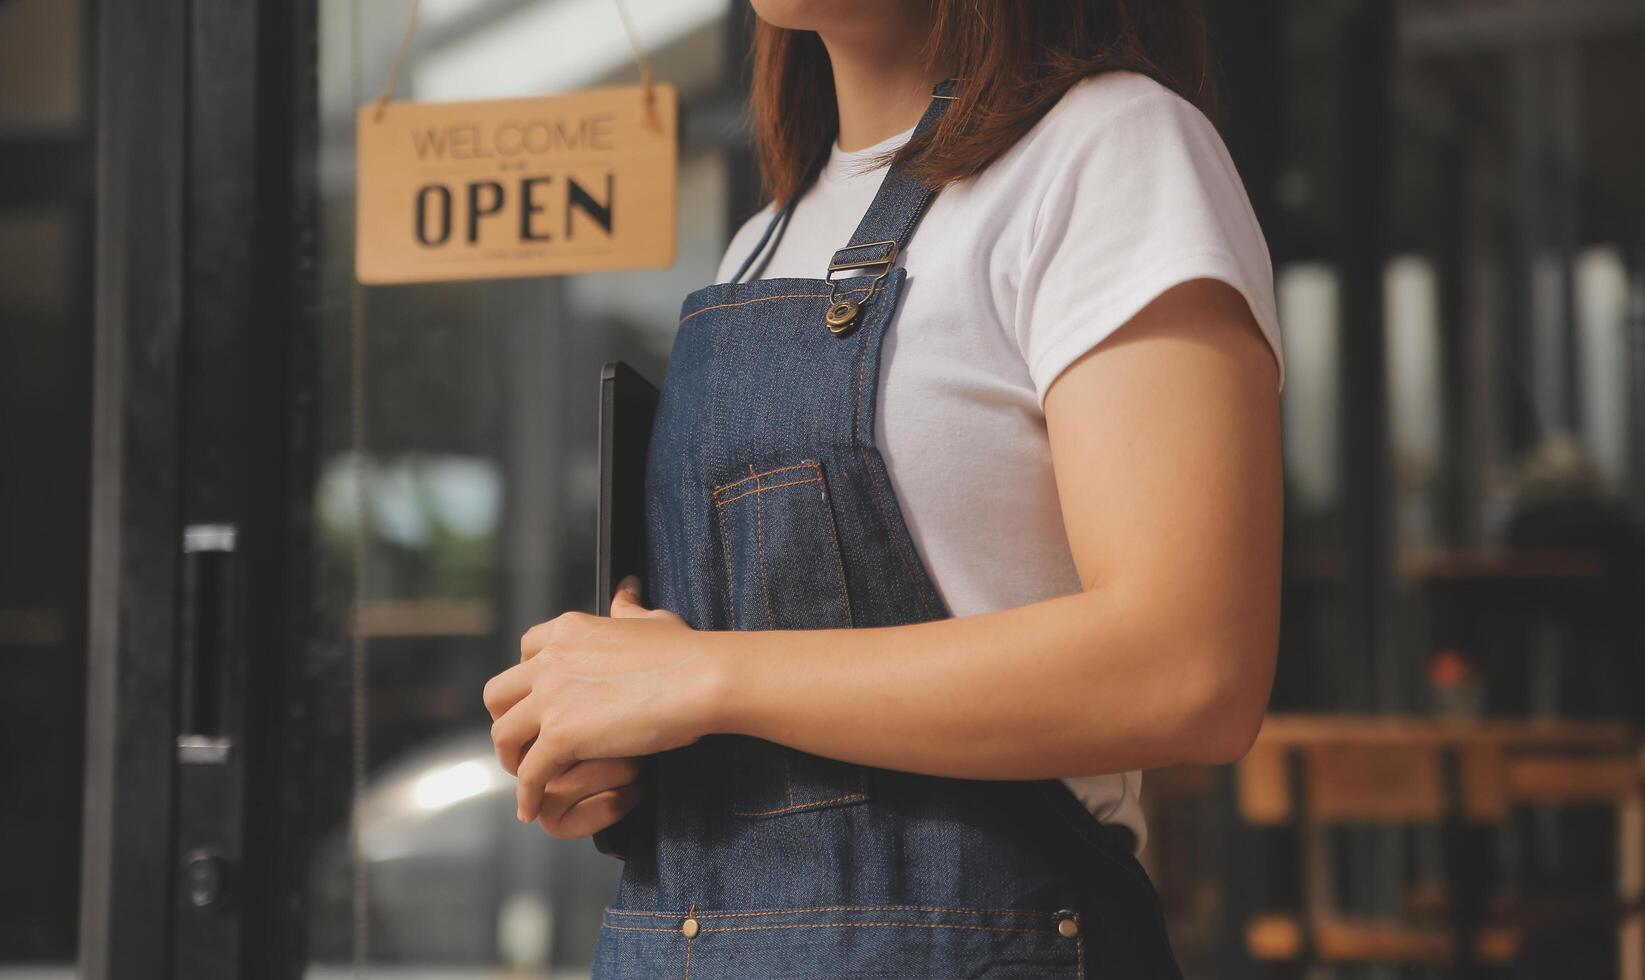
1314	773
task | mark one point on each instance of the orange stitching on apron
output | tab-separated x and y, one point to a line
803	805
832	908
769	486
808	464
767	299
863	925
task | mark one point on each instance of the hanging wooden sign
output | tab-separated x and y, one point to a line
517	187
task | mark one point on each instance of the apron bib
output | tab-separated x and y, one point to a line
768	506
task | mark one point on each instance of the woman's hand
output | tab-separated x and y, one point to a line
589	696
591	796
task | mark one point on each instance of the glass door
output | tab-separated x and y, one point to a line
470	472
188	512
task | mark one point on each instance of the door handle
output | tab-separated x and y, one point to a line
207	630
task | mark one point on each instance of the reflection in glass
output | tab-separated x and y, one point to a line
479	484
46	168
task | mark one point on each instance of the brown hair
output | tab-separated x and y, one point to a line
1016	59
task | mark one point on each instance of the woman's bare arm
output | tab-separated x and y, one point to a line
1166	445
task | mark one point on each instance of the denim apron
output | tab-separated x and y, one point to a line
768	507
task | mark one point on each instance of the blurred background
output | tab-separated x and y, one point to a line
1450	783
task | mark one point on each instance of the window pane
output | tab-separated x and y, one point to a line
480	478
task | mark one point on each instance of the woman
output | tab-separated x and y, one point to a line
964	508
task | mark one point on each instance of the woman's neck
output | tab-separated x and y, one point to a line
880	84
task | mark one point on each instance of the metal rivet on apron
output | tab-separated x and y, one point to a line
1068	927
688	928
840	315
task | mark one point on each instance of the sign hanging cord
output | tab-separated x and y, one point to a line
393	79
647	80
359	675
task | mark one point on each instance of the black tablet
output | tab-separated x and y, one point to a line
628	403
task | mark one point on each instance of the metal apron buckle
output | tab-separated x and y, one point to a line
842	313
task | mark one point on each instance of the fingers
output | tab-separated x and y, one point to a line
594	813
532	640
625	602
512	733
585	779
505	690
577	799
540	764
563	628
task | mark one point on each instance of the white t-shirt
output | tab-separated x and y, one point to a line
1121	191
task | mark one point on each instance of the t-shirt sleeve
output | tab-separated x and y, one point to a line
1137	199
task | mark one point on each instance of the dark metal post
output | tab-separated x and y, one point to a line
200	471
135	466
1367	39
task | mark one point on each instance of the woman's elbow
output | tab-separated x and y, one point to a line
1222	706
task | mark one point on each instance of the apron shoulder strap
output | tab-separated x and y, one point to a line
889	221
901	202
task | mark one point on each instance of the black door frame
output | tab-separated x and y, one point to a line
203	373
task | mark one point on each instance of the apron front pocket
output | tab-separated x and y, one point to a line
783	570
